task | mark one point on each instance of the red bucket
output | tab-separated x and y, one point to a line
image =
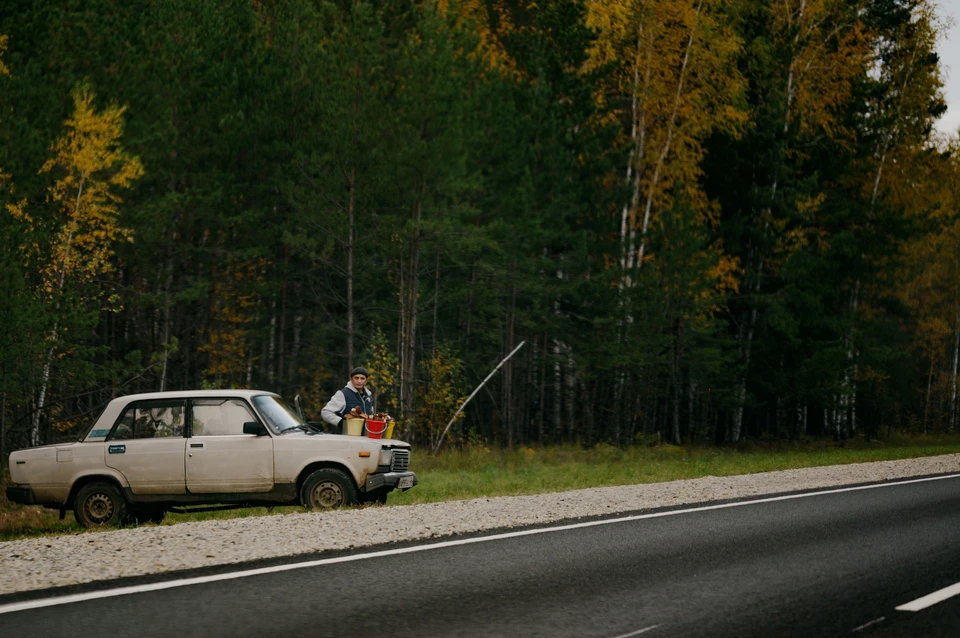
375	429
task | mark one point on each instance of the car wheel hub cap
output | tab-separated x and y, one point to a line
327	494
99	507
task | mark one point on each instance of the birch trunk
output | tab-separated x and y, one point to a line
745	348
45	379
850	375
665	150
638	138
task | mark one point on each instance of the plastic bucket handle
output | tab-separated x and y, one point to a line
375	429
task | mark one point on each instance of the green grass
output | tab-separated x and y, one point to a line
484	472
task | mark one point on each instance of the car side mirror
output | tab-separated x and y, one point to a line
252	427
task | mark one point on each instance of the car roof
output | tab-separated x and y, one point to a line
192	394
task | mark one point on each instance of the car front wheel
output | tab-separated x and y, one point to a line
100	504
328	488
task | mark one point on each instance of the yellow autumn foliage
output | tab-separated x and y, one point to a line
440	398
830	48
233	308
384	369
90	166
4	39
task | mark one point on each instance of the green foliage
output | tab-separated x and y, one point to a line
422	186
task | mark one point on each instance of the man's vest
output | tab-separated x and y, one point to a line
354	398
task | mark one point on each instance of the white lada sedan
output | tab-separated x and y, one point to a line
148	453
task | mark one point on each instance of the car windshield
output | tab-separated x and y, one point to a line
278	415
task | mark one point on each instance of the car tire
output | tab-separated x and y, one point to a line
147	514
100	504
328	488
376	496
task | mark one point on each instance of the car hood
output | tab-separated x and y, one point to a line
361	440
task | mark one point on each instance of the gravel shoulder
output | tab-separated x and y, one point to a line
53	561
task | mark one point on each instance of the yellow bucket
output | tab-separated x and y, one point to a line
389	434
355	427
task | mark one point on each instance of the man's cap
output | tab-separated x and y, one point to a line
360	370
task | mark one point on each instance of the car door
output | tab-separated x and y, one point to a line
147	445
220	457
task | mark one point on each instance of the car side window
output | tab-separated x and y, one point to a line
150	420
219	417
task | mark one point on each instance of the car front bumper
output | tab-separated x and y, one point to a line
20	494
390	480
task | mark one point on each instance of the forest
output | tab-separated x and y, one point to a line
706	221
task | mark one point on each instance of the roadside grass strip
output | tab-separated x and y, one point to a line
931	599
199	580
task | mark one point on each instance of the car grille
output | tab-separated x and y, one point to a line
401	461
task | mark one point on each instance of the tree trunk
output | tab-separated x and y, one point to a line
167	285
570	394
509	345
413	291
665	150
691	408
741	395
436	299
351	237
956	362
675	389
272	347
557	392
542	355
41	400
3	427
297	336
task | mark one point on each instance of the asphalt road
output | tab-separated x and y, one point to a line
829	564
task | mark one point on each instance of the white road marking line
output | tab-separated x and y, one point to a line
638	632
868	624
199	580
926	601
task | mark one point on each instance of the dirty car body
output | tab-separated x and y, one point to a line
147	453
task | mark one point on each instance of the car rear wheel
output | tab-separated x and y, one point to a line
99	504
328	488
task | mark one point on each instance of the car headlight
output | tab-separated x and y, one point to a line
386	457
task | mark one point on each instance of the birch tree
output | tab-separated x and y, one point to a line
91	168
813	50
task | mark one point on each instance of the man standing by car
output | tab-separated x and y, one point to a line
354	398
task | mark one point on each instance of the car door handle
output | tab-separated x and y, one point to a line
116	449
196	445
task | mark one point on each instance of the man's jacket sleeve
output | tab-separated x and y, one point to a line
332	410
